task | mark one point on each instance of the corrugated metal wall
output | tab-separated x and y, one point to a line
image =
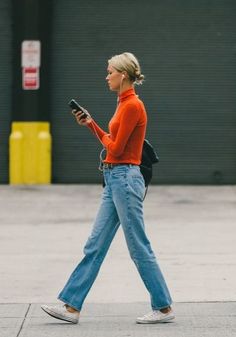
187	50
5	86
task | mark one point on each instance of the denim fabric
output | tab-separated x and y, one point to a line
121	204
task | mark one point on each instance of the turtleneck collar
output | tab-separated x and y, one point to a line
125	94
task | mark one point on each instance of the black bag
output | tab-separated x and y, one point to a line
149	157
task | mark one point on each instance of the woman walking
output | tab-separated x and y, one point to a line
122	200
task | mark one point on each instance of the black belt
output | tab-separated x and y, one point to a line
111	165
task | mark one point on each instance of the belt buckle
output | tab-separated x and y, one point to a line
107	165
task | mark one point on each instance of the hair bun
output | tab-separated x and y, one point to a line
139	78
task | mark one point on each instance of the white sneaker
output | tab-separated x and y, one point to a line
60	312
156	316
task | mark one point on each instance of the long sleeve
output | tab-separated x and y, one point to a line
97	131
128	122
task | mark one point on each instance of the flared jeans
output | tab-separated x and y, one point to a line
122	204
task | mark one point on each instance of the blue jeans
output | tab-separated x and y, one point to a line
122	203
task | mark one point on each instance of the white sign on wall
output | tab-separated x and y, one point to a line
30	63
30	54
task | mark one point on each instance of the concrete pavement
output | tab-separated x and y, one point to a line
192	230
117	320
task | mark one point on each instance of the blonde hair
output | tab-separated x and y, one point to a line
129	63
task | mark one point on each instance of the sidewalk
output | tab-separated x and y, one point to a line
192	230
117	320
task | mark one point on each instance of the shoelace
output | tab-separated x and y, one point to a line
150	314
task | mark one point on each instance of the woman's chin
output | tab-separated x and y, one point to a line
112	88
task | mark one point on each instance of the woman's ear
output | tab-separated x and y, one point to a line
124	75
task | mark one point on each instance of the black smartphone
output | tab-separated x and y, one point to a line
75	106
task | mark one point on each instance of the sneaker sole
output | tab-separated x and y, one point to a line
164	320
60	317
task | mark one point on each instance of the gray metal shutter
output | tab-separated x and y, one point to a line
187	52
5	86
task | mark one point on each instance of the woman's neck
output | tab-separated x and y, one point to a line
125	86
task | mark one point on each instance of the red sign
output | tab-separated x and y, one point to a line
30	78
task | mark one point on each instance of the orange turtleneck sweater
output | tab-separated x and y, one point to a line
127	129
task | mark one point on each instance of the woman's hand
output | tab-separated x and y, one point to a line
80	118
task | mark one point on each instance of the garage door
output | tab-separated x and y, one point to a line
187	52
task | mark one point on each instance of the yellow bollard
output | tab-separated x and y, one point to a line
16	156
29	130
44	157
30	153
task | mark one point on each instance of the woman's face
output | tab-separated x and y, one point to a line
114	78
